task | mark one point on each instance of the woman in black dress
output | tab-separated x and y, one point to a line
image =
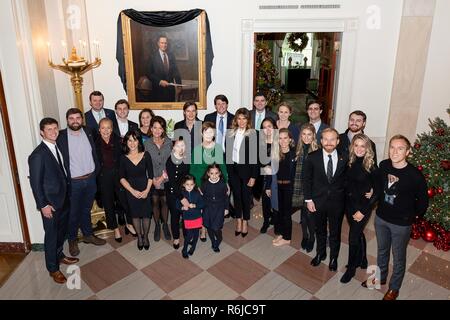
360	183
136	175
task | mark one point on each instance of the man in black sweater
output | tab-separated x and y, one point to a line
402	192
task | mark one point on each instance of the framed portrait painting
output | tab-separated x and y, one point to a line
165	65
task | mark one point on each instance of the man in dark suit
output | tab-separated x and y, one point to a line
49	183
164	73
356	124
324	180
221	118
78	149
123	125
314	109
98	112
260	112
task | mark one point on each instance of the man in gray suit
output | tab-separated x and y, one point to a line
259	112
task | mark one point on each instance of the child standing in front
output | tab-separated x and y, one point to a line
191	207
215	196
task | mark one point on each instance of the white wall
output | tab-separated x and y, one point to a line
373	69
436	94
371	83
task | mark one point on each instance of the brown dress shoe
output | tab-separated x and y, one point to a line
69	260
94	240
73	248
58	277
391	295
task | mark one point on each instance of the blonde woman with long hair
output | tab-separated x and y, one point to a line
360	181
306	144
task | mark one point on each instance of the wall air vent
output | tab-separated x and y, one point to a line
281	6
320	6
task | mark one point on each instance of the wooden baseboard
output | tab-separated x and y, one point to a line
12	247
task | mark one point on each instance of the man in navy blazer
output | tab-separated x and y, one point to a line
98	112
220	115
50	184
77	145
314	109
260	112
324	176
124	125
164	73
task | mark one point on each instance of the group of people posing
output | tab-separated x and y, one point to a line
215	169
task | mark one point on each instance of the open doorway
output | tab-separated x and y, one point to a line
296	68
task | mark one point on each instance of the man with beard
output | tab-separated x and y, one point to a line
356	124
324	181
77	146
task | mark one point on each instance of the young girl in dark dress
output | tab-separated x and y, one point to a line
215	196
192	214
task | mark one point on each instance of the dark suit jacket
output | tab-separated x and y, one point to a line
344	145
132	126
322	127
92	123
48	182
316	186
198	126
212	117
269	114
63	145
157	73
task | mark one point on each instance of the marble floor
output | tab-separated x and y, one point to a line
245	268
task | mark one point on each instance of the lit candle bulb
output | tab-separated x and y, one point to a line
49	52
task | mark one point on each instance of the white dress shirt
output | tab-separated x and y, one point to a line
317	125
123	127
238	138
225	118
98	115
52	148
257	115
334	157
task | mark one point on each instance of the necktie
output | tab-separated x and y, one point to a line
258	122
220	134
166	62
59	160
329	168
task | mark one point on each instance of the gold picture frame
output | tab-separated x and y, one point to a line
140	51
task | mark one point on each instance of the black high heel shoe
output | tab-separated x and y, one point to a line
119	239
236	233
140	244
146	244
127	231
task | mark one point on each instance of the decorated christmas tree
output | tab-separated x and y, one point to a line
431	155
267	79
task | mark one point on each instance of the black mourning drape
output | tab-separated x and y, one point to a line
161	19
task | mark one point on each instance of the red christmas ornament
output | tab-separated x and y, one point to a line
417	145
429	235
428	161
440	131
440	146
431	193
440	190
420	168
445	164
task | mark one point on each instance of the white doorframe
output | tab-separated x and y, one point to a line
347	26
